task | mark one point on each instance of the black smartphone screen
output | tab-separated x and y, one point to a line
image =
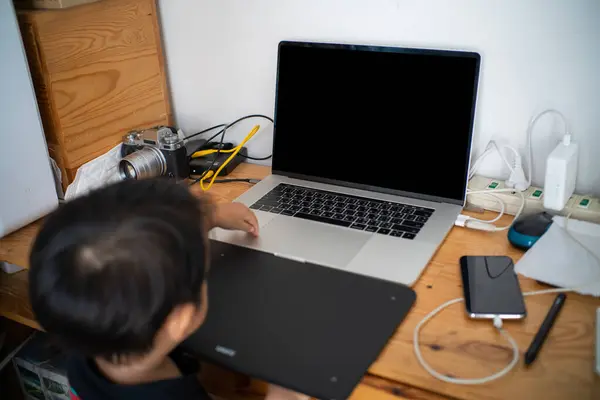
491	287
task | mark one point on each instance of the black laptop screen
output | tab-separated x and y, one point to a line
399	120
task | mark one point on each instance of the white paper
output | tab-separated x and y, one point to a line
559	260
96	173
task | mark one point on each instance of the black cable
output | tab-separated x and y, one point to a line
251	116
240	120
255	158
222	133
200	133
229	180
227	126
214	136
204	131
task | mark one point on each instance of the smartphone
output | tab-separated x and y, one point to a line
491	287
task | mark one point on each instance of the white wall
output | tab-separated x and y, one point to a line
221	56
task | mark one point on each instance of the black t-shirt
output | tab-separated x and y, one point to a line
88	383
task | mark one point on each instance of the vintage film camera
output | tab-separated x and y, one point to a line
154	152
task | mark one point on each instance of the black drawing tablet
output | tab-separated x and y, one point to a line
309	328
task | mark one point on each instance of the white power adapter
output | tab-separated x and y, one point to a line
561	174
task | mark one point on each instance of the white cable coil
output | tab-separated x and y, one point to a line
497	325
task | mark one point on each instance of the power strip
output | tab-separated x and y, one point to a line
580	207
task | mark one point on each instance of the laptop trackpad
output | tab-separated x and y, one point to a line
314	242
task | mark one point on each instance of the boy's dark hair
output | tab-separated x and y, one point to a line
109	267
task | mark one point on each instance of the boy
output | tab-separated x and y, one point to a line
118	277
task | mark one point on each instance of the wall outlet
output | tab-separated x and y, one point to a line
586	208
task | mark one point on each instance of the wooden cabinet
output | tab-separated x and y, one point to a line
98	70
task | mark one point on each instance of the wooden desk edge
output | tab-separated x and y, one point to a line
14	302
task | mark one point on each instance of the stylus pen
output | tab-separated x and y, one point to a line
542	334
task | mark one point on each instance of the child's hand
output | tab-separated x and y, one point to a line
236	216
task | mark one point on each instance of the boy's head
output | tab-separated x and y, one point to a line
121	271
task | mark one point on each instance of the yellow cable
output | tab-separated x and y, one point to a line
203	153
234	152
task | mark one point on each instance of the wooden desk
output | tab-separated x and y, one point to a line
452	343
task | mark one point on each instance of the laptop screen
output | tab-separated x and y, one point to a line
386	119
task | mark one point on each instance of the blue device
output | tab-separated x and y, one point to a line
527	230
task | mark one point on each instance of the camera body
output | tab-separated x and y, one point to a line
153	152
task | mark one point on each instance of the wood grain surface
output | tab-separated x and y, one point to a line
452	343
460	347
99	72
14	298
15	248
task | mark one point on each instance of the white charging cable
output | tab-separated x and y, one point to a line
516	182
517	178
497	325
488	225
460	381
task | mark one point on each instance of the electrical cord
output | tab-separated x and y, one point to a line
487	225
231	157
222	133
230	180
255	116
502	156
459	381
516	173
205	130
209	173
203	153
500	214
212	164
227	126
256	158
492	145
497	325
517	178
478	161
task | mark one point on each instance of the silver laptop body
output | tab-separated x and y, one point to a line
374	202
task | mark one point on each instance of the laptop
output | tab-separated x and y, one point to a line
371	154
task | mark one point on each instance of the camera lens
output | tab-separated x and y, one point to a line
145	163
128	171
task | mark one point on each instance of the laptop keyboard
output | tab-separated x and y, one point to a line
364	214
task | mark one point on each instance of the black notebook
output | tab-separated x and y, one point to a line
305	327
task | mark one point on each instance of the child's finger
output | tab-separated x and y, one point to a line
253	222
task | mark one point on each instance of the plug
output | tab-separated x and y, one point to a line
517	178
497	322
467	222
